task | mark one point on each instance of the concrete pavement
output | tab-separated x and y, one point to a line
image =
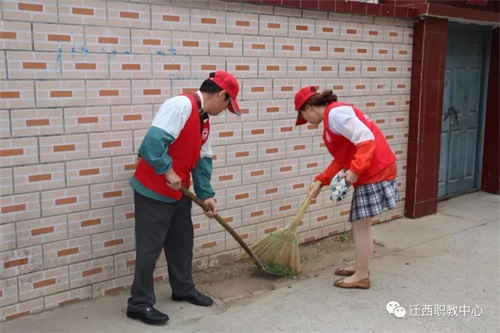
443	271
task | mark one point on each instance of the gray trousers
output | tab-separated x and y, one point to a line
167	226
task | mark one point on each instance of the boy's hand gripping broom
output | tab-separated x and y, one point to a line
279	251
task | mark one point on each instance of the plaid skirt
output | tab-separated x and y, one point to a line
369	200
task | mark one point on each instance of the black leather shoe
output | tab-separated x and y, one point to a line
195	298
148	315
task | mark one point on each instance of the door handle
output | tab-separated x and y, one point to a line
453	113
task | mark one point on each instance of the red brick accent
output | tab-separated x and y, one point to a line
107	40
61	148
205	20
34	65
269	230
88	172
87	120
113	290
129	15
255	214
61	93
190	43
30	7
92	271
66	201
88	223
148	92
175	67
57	38
37	122
132	117
69	301
10	94
271	191
112	194
131	67
286	207
242	23
272	150
14	263
111	144
41	231
84	66
209	245
226	134
242	154
17	315
109	93
8	35
151	42
82	11
45	283
171	18
256	173
113	242
13	208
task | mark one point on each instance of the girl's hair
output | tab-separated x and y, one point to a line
324	98
210	87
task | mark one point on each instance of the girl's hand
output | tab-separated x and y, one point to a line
211	203
350	177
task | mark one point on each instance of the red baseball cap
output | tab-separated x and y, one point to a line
228	83
300	98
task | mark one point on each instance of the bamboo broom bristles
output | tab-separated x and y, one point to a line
281	247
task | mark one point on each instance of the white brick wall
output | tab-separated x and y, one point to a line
80	82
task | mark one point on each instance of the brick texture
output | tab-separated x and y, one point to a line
80	82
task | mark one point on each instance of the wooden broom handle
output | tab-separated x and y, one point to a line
219	219
302	210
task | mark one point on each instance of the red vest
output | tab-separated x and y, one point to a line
343	150
185	154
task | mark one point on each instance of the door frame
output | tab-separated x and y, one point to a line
425	116
487	30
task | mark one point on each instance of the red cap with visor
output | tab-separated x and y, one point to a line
300	98
228	83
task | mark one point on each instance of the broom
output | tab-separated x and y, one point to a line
219	219
279	251
227	227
